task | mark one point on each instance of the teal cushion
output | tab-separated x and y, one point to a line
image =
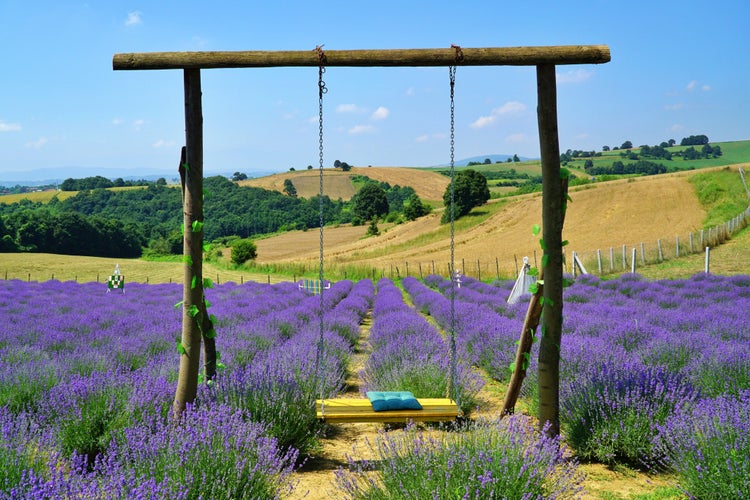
395	400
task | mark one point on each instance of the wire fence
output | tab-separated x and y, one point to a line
627	257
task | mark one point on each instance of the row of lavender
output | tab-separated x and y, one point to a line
87	379
410	354
654	373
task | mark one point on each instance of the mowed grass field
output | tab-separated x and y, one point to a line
488	242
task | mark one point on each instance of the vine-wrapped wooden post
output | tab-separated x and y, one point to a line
553	212
191	175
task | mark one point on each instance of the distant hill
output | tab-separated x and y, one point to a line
493	159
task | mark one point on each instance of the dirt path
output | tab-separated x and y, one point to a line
316	479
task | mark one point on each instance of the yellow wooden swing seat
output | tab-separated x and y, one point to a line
360	410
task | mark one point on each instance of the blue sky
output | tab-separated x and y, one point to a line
678	68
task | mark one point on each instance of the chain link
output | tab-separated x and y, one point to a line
322	90
453	385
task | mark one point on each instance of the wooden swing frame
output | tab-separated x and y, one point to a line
545	59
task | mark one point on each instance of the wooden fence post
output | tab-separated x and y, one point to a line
632	262
624	259
497	267
643	254
599	260
611	259
708	258
661	256
677	246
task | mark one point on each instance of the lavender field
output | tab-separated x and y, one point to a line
655	374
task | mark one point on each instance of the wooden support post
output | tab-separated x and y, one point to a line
497	268
611	259
632	262
643	254
554	193
191	174
624	258
599	260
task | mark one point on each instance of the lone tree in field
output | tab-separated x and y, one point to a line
289	188
243	250
469	190
370	202
414	208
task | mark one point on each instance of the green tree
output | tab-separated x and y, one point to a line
289	188
414	208
372	229
626	145
243	250
239	176
370	202
470	190
516	159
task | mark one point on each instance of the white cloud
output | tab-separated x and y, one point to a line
161	143
430	137
516	138
349	108
410	91
117	121
138	124
361	129
676	128
574	76
9	127
37	144
691	85
705	88
673	107
134	18
509	108
483	121
380	114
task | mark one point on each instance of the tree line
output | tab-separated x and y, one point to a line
104	222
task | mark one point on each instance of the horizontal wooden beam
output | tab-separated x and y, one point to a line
491	56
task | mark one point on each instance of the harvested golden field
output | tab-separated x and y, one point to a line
606	215
430	186
487	243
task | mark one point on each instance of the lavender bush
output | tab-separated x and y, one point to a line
709	447
612	413
498	459
212	453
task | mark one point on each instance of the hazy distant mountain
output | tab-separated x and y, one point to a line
45	176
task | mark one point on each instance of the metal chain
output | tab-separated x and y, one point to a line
453	387
322	90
